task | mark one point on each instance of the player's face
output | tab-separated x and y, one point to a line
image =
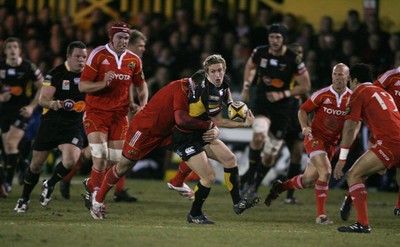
12	50
138	47
340	77
120	42
76	61
275	41
215	74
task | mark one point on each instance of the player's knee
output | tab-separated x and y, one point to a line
325	175
272	146
99	150
114	155
230	161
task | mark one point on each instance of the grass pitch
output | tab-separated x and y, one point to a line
159	219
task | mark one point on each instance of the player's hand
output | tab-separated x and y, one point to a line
135	107
5	96
249	118
306	131
338	172
211	134
274	96
108	77
55	105
245	95
26	111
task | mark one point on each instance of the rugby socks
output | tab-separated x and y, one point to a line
58	174
11	164
72	172
321	193
231	176
261	173
110	179
359	195
120	185
183	171
200	195
254	161
294	170
295	183
30	181
96	178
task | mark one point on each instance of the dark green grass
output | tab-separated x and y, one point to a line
159	219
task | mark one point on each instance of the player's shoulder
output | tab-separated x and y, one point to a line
322	92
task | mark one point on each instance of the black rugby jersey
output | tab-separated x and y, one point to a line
206	99
20	81
275	73
66	83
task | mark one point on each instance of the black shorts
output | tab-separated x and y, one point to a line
279	115
52	133
187	144
294	130
15	120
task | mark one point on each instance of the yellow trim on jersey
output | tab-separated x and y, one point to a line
196	109
46	83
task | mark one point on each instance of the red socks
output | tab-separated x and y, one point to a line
294	183
110	179
181	174
321	193
359	195
96	179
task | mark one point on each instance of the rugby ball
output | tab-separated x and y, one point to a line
237	111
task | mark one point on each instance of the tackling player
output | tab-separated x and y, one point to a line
151	128
194	147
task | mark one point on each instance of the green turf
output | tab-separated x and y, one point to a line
159	219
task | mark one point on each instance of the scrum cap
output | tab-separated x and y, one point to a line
118	27
278	28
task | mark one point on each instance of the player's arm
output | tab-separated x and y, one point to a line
143	94
304	123
303	86
27	111
92	87
46	97
349	133
249	73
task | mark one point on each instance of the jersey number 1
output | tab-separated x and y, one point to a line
382	102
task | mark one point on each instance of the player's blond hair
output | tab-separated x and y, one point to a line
213	59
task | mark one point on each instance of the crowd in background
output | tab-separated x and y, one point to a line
176	47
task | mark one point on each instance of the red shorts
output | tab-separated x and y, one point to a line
314	144
114	124
138	144
387	152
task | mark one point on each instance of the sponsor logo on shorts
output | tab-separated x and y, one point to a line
383	155
87	125
75	141
190	150
314	144
132	153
